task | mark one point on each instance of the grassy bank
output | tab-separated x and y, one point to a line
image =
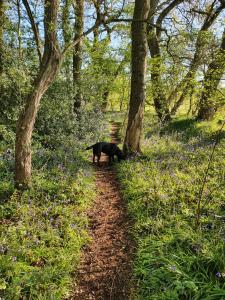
175	259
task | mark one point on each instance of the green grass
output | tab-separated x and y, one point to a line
174	259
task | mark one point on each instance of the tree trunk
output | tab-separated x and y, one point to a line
1	34
186	84
77	55
19	28
159	97
34	27
105	97
66	26
207	105
138	65
49	66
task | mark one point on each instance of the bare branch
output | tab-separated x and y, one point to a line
164	13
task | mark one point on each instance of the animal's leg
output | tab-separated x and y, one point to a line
99	156
93	158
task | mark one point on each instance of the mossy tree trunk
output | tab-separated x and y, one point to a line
207	104
138	65
2	13
77	54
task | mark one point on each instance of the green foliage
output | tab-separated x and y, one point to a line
174	260
56	124
44	228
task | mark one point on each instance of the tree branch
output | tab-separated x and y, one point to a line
164	13
35	29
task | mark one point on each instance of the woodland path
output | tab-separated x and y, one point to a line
105	270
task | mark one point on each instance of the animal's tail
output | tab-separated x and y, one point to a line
88	148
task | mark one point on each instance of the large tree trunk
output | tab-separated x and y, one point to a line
186	84
77	55
1	34
207	105
138	65
49	67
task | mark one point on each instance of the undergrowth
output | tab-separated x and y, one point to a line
174	259
43	229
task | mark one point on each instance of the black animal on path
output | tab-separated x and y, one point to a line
110	149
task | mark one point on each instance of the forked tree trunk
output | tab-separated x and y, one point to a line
49	67
207	105
77	54
138	65
186	84
154	33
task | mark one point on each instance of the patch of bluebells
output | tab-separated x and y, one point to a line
220	275
173	268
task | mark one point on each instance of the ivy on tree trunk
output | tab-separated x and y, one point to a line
77	54
207	105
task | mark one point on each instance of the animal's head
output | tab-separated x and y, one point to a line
120	154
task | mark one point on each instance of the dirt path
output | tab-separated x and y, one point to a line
105	270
